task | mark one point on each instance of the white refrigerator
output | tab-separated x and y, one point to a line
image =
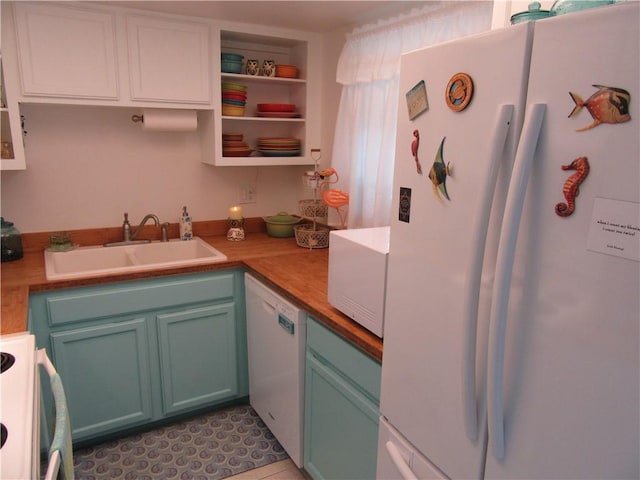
511	339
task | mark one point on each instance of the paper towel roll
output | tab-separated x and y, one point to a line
166	120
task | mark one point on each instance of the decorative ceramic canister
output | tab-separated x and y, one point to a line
11	241
269	68
253	67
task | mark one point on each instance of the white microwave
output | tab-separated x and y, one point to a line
358	274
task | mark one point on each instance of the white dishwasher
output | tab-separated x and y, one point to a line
276	333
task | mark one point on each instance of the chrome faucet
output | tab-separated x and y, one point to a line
126	226
129	237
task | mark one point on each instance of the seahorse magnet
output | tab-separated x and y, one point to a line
571	187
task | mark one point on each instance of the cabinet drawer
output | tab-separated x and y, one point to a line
347	359
97	302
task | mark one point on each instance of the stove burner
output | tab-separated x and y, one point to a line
7	361
3	434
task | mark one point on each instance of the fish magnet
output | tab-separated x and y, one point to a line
459	92
439	173
607	105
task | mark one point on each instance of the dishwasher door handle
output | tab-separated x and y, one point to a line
286	324
268	307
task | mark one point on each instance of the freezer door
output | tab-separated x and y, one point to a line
563	386
398	459
426	332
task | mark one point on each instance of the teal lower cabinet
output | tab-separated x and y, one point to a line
106	374
134	353
198	357
342	392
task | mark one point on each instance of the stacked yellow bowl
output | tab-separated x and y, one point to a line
234	99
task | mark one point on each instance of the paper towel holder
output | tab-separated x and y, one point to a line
137	118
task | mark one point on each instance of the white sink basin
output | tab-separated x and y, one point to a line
85	262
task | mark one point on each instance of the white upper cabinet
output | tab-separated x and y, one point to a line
169	60
96	55
91	53
66	51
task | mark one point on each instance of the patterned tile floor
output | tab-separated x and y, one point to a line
212	446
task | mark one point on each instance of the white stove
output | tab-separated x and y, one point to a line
19	405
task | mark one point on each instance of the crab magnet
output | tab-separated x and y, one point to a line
459	92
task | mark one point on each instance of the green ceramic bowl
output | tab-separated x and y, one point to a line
281	225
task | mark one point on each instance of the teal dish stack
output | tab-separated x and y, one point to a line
231	62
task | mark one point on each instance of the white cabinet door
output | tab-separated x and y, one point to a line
169	60
79	64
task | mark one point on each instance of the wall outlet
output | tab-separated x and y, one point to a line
248	193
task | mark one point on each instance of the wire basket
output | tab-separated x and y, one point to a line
311	179
308	237
312	208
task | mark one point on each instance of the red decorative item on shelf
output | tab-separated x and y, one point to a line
276	107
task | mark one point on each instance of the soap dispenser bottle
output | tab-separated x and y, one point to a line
186	226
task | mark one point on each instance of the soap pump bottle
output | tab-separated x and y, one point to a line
186	226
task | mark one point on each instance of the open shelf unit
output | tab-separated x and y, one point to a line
13	157
284	48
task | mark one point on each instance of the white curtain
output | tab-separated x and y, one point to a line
368	69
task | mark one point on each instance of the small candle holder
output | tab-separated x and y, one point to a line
236	229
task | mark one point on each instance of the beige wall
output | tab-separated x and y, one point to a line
88	165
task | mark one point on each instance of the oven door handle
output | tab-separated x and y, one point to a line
61	450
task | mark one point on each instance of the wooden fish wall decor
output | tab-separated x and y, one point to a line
607	105
571	187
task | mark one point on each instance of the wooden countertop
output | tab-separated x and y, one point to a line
298	274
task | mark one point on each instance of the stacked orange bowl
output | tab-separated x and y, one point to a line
234	99
286	71
233	145
279	146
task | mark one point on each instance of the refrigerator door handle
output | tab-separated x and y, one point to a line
472	288
398	461
504	268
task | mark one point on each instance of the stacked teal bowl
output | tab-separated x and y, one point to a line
231	62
